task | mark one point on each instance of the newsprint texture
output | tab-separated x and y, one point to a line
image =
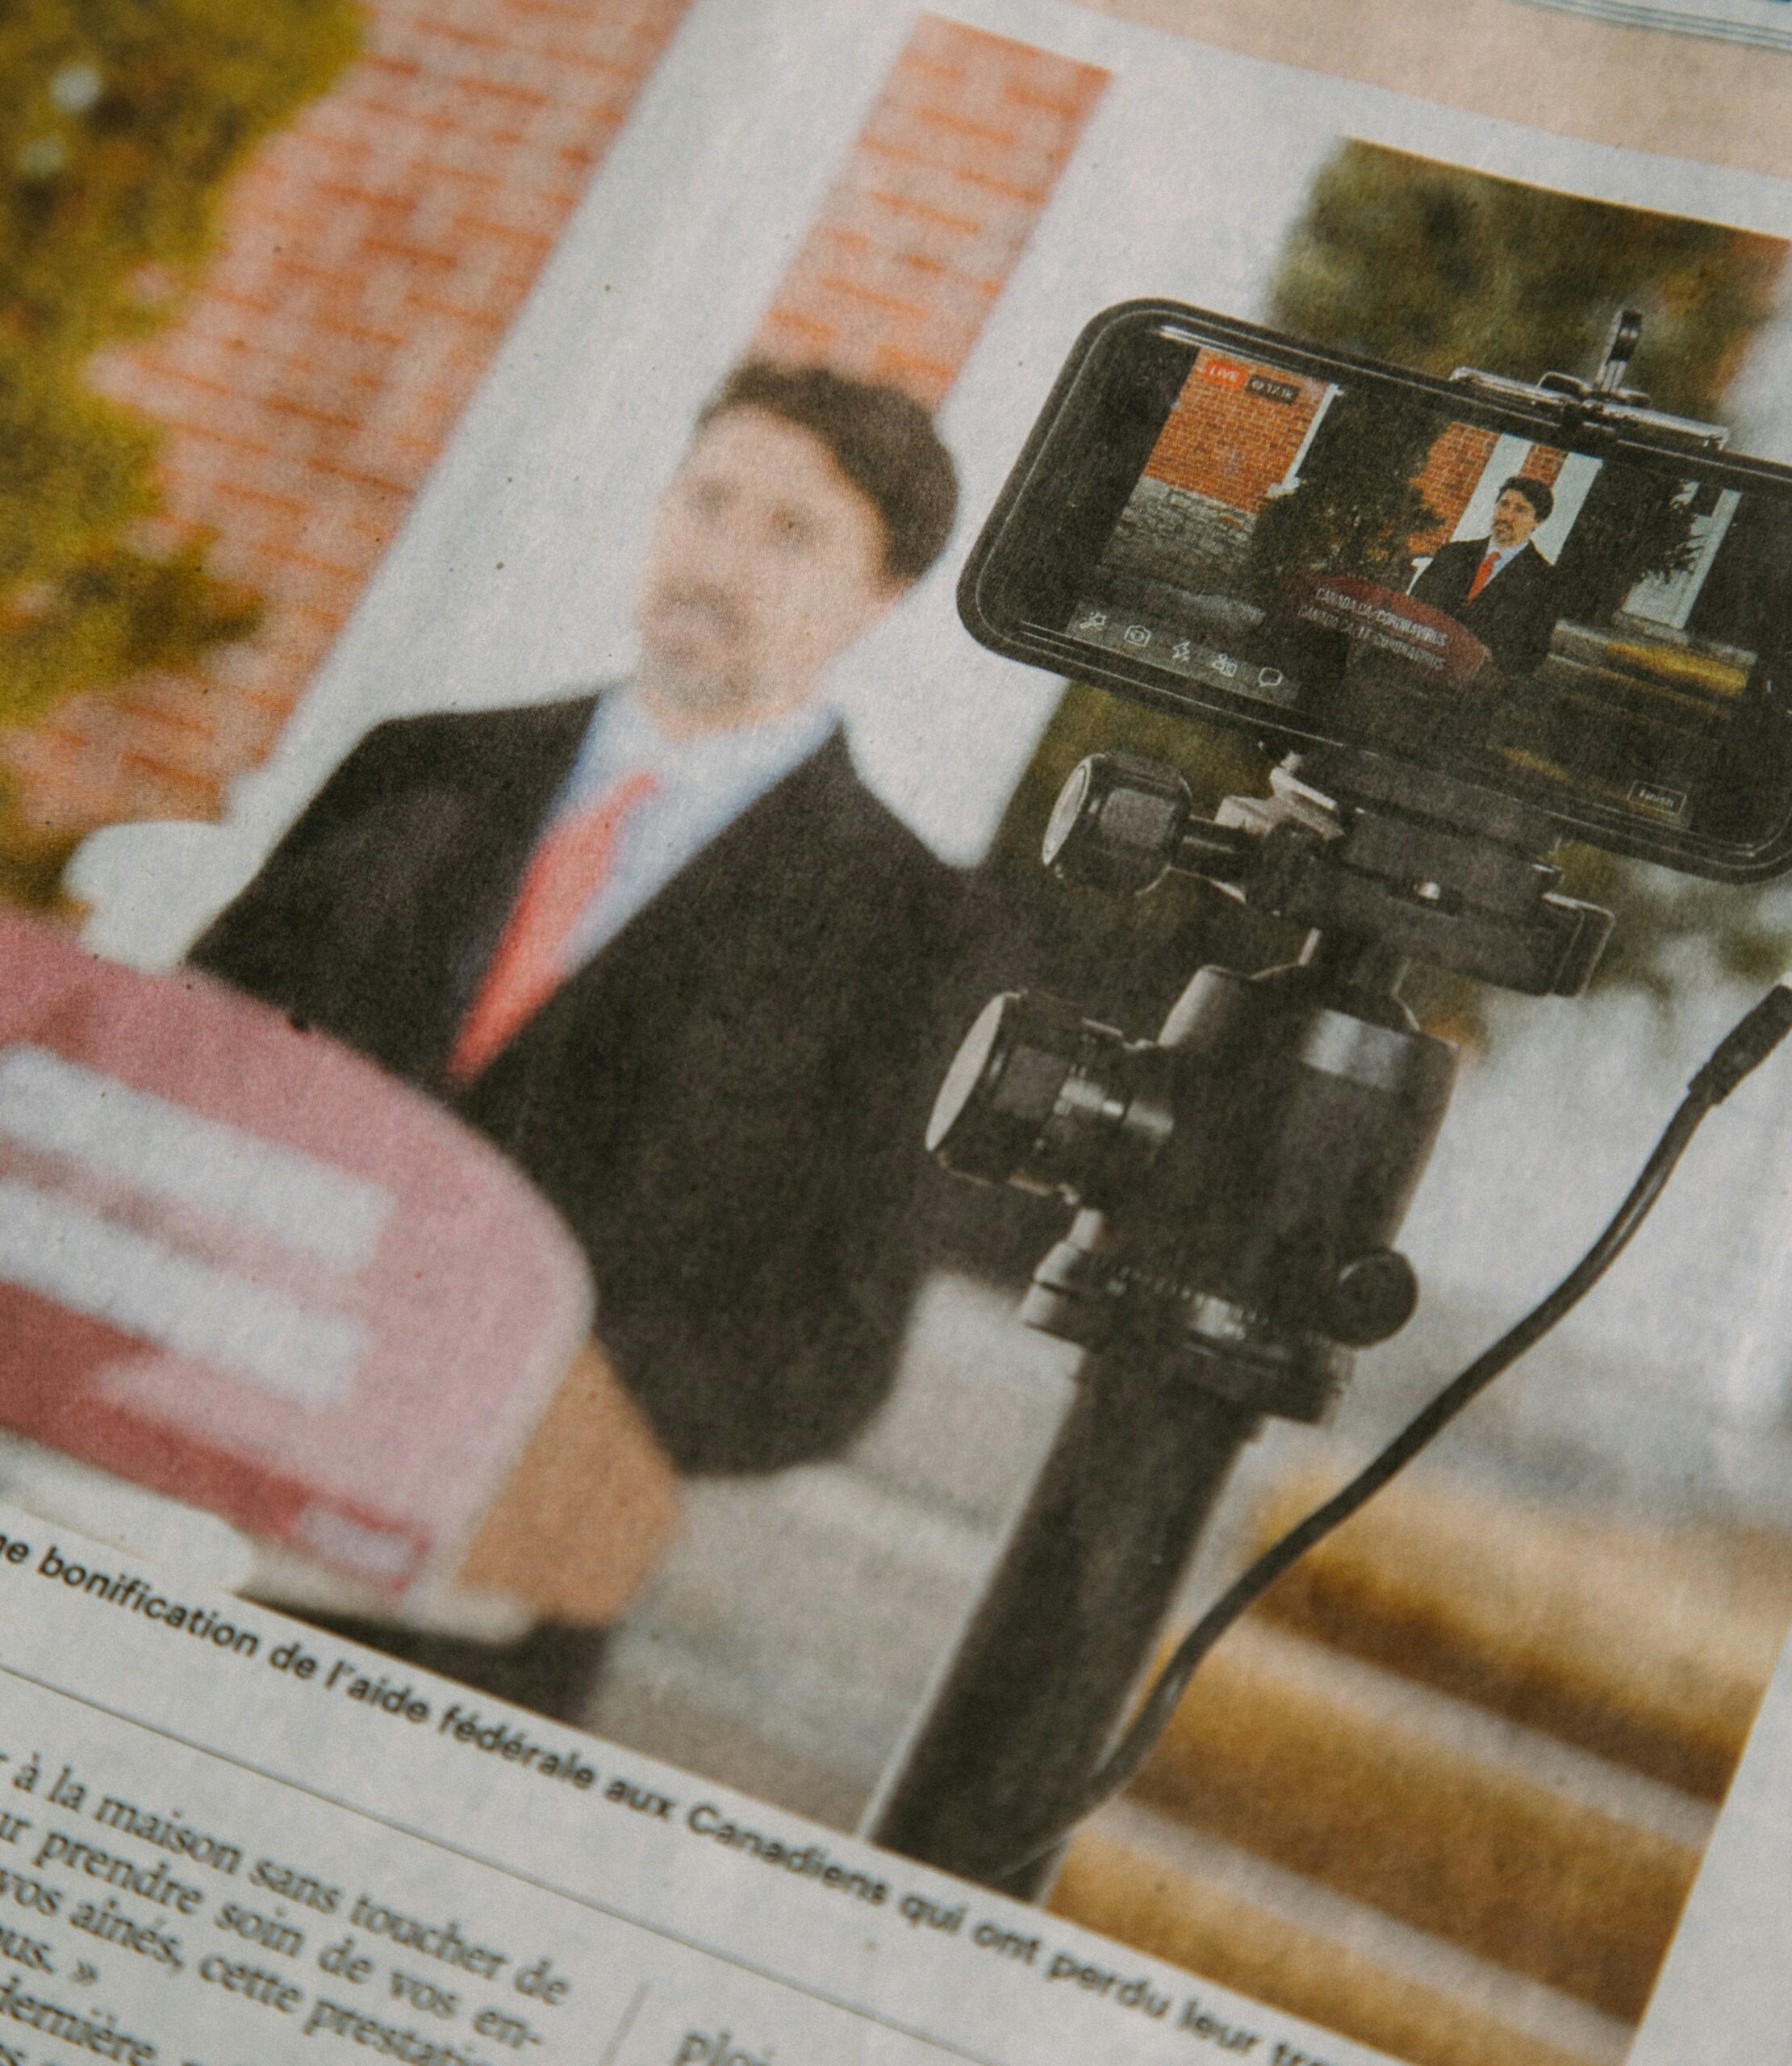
1725	21
894	921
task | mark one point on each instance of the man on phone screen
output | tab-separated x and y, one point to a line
1501	588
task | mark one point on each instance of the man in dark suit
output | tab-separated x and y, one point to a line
1501	588
660	944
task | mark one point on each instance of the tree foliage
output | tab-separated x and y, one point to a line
121	123
1633	524
1435	266
1358	507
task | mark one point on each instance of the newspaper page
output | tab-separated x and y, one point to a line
565	563
1723	1983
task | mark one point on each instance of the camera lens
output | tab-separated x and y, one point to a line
1003	1087
1116	823
1042	1098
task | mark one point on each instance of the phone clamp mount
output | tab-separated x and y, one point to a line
1239	1184
1604	399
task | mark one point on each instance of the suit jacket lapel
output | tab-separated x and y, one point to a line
697	901
1453	590
511	779
689	923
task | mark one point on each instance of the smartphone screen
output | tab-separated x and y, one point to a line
1334	552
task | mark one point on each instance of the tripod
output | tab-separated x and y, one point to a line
1239	1182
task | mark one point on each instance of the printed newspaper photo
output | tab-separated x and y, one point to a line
827	834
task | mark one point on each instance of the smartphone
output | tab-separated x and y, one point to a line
1573	601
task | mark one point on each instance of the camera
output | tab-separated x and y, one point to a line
1554	596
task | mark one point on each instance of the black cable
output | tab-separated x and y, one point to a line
1748	1043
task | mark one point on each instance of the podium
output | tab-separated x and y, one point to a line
243	1269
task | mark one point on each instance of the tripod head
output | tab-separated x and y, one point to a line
1242	1177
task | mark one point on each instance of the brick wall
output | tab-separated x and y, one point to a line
373	255
1229	440
1448	478
936	200
1235	430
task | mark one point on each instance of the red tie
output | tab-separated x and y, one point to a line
566	870
1483	573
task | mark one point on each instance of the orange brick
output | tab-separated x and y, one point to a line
934	205
265	468
930	379
145	786
438	208
964	114
518	207
930	135
935	337
467	165
792	330
178	400
912	181
606	34
229	318
280	214
252	675
577	133
908	277
332	140
405	115
192	355
555	10
945	231
357	363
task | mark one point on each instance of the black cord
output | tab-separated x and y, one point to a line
1747	1043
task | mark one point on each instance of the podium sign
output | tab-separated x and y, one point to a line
1418	643
242	1266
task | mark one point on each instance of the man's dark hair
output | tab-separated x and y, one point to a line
882	440
1536	492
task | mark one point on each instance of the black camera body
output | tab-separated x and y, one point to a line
1552	597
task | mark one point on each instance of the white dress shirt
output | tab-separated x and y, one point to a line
1503	555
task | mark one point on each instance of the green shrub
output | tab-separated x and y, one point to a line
121	123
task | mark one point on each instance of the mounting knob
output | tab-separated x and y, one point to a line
1042	1098
1370	1297
1117	823
1122	823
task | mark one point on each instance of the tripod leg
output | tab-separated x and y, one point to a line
1044	1672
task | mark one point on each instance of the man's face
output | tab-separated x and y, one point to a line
764	561
1514	519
